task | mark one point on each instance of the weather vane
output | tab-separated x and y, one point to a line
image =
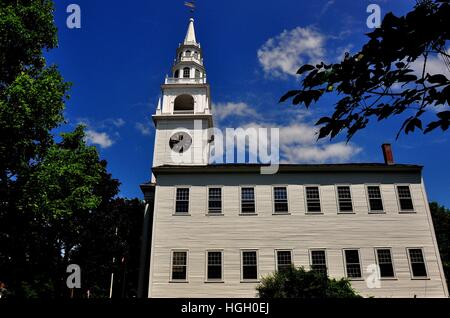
190	5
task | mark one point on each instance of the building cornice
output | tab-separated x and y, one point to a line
287	168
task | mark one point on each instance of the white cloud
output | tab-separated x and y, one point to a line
319	153
299	144
118	122
435	65
101	139
286	52
144	129
224	110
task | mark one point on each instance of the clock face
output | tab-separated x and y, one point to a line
180	142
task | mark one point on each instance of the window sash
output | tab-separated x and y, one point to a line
375	199
215	200
179	265
313	199
319	262
247	200
418	267
353	264
405	199
280	200
186	73
345	199
384	258
214	266
182	200
249	265
284	260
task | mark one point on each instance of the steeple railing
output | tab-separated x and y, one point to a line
173	80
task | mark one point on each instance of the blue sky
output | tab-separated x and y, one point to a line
120	56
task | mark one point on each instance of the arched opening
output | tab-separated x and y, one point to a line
180	55
177	74
184	104
188	53
197	73
186	72
196	54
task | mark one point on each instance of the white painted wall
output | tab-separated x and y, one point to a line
298	231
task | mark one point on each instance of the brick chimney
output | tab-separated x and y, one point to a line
387	154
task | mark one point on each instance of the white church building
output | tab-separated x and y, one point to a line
216	229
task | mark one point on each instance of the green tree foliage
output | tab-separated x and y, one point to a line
380	81
58	203
441	222
299	283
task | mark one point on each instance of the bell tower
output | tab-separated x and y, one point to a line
183	115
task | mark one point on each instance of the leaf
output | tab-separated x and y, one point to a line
305	68
323	120
288	95
437	79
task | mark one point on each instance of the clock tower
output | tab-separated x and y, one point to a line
183	115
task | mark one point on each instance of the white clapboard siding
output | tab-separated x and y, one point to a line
297	231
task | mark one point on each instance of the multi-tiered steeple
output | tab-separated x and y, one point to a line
183	115
188	66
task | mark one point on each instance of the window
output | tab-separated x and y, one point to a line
197	73
418	268
345	199
179	265
280	200
196	54
249	265
215	200
352	263
284	260
247	200
186	72
176	74
313	199
182	200
318	261
188	53
384	260
214	265
375	201
404	197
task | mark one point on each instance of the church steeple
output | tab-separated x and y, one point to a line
183	115
188	67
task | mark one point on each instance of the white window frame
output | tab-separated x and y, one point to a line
242	265
351	199
367	185
424	261
326	258
283	250
171	280
360	264
287	200
221	199
306	199
175	213
398	198
240	200
392	260
207	280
